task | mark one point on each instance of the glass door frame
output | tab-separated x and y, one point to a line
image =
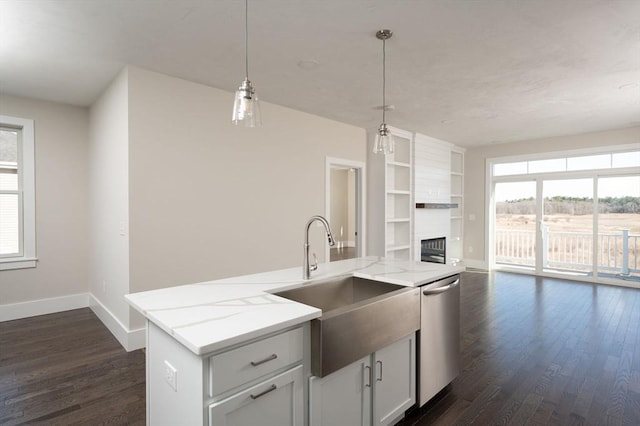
539	179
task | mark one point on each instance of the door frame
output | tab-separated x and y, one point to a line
361	205
539	178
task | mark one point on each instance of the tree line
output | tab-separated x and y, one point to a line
570	205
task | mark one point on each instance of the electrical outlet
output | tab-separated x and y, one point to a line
171	375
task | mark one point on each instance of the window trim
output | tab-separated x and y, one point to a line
26	167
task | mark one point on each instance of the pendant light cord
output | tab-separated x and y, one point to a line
246	38
384	61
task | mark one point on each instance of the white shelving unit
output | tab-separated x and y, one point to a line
399	197
455	249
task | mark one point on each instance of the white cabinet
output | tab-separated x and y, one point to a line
257	382
375	390
273	402
342	397
394	387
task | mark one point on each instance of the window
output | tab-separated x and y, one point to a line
614	160
17	193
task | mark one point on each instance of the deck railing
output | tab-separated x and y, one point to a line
616	252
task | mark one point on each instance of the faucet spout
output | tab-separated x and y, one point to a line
306	265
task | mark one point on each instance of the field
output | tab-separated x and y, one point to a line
607	222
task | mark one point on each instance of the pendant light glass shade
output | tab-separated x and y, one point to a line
383	143
246	108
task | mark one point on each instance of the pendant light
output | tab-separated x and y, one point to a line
383	143
246	109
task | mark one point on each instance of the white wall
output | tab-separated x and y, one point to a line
211	200
109	198
474	184
61	133
375	200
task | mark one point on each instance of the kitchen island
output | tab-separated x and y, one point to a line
200	337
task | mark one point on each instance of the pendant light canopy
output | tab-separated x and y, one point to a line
246	109
383	143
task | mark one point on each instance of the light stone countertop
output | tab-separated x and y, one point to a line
212	315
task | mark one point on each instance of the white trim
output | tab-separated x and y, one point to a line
27	174
32	308
567	153
129	339
17	263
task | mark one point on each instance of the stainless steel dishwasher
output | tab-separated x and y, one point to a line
439	361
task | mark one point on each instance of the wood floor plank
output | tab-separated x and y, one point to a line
541	351
535	351
68	369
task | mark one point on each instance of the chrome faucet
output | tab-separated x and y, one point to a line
307	267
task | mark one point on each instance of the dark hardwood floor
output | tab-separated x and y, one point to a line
534	351
67	369
542	351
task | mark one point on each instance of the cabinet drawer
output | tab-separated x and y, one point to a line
254	360
274	402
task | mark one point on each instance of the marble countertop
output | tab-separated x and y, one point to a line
212	315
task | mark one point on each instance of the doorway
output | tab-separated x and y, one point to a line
344	205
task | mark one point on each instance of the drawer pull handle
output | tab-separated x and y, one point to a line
380	364
264	392
267	359
368	384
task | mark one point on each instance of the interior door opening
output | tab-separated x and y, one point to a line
344	208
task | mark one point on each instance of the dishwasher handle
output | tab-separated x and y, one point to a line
439	290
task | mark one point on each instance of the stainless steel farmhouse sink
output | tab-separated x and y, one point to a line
359	317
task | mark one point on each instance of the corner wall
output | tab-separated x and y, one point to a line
109	206
475	178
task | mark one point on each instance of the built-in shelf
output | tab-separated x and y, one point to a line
455	247
436	205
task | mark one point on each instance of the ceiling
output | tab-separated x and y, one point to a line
469	72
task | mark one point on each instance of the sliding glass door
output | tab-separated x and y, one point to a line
573	215
618	254
515	224
567	226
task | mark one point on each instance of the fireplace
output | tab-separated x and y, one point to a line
434	250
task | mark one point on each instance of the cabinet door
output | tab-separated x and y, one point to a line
274	402
394	381
343	397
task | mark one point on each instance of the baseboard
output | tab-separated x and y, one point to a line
476	264
32	308
129	339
